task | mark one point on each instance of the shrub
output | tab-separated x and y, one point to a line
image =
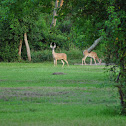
8	52
41	56
74	54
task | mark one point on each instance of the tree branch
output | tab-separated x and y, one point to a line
94	44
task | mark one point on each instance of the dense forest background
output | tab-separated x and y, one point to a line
27	27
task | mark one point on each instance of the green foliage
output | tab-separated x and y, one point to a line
60	40
8	52
115	37
74	53
87	18
18	17
65	26
115	47
8	43
41	56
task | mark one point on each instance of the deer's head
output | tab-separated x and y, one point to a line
53	47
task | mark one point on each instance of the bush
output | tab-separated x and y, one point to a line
41	56
8	52
74	54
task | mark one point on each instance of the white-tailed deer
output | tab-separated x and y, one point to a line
91	55
58	56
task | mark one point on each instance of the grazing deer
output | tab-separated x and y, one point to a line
92	55
58	56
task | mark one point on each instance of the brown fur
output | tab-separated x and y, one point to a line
58	56
92	55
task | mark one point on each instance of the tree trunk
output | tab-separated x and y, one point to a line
122	91
19	50
27	47
61	3
94	44
55	12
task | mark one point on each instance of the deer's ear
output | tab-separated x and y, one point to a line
54	45
51	45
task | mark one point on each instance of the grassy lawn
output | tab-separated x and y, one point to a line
30	95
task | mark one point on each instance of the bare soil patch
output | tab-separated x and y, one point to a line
58	73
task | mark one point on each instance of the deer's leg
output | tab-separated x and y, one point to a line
94	60
99	60
56	62
90	61
84	59
62	62
67	62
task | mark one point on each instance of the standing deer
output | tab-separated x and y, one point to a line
58	56
92	55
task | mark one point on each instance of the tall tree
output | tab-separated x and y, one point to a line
21	18
115	45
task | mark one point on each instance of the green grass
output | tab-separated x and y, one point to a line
30	95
